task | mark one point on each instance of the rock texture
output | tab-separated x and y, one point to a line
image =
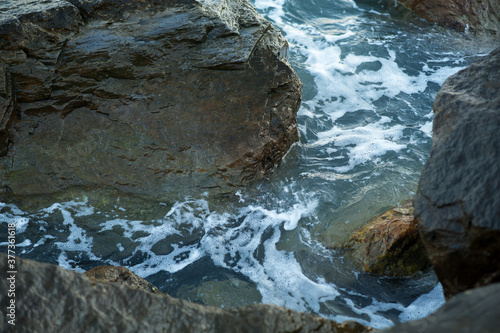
51	299
473	311
458	201
389	244
120	275
462	15
143	96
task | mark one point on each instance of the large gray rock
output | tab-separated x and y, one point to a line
481	16
144	96
51	299
458	201
473	311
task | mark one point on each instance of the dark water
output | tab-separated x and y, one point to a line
370	74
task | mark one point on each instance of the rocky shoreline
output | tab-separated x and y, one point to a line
85	79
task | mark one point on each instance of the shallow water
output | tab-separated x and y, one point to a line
370	74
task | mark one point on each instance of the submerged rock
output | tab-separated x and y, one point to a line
461	15
52	299
389	244
473	311
458	201
120	275
145	97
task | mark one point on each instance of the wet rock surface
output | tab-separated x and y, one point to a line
389	244
473	311
458	201
463	15
145	97
53	299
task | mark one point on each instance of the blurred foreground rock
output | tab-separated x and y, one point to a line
473	311
145	97
458	201
52	299
389	244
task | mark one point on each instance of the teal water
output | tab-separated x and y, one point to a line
370	73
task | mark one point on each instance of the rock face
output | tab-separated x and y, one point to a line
461	15
473	311
51	299
120	275
458	201
146	97
389	244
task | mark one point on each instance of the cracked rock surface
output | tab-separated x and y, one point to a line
143	96
458	202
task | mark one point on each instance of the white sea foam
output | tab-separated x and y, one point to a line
273	8
77	240
17	217
278	274
252	241
424	305
231	241
426	128
342	88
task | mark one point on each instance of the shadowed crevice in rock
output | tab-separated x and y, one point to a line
8	109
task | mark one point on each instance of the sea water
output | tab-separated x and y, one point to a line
371	71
